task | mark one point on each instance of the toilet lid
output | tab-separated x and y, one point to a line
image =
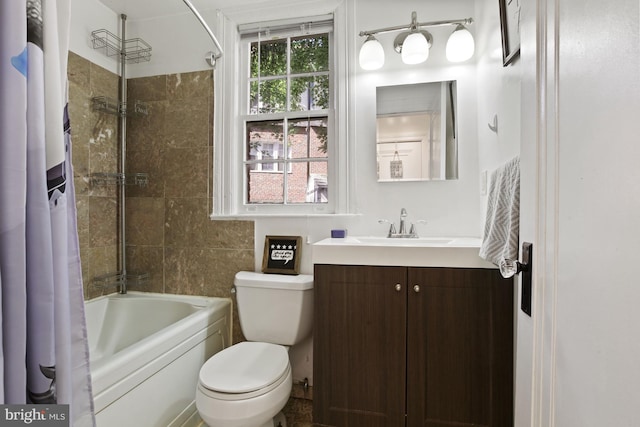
244	367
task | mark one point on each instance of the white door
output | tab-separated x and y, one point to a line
577	356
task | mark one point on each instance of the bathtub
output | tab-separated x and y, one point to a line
146	351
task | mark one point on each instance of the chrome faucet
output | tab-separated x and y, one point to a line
403	228
402	231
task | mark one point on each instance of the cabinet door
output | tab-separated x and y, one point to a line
359	346
460	348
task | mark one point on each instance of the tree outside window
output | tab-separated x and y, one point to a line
289	83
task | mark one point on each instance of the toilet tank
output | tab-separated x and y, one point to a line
275	308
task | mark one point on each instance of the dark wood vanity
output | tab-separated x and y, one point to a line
412	346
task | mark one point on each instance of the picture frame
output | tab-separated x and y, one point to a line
510	30
282	254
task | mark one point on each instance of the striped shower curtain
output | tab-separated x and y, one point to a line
43	345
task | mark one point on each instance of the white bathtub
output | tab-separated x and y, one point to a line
146	351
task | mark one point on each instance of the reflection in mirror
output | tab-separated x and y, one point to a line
416	132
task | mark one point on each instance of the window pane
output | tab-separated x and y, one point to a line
268	96
310	53
308	183
310	93
265	186
308	138
265	140
254	97
271	60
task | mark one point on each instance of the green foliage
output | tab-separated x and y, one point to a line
308	54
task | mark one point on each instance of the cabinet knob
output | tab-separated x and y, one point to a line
416	288
398	287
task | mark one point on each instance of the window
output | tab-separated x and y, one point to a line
280	114
286	116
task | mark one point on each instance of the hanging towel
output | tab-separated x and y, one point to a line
502	225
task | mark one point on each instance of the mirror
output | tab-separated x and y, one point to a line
416	132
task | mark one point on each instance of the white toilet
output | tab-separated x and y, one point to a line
247	384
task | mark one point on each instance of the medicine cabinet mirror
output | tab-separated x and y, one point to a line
416	132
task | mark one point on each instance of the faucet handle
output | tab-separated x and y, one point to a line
392	227
412	230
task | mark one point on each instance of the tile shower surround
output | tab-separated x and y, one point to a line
169	233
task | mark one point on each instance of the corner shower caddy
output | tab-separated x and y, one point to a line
115	107
128	51
134	50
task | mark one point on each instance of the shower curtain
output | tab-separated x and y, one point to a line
43	345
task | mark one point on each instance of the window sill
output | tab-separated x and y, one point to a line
254	216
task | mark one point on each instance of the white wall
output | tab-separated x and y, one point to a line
451	208
499	95
87	16
178	42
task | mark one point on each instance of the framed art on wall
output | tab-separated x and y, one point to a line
282	254
510	30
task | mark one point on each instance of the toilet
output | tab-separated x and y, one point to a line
248	384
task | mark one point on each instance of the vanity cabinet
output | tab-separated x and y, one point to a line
412	346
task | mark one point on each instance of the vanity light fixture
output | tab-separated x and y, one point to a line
414	42
371	54
414	49
460	45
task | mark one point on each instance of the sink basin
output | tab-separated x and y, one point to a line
418	241
417	252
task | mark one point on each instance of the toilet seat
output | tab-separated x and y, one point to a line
244	370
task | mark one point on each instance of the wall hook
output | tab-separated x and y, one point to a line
494	126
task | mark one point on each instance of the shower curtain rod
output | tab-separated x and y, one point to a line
211	57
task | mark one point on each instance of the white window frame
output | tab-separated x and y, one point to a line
228	190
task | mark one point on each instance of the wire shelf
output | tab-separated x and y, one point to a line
139	109
107	41
113	106
117	279
107	280
139	179
106	104
136	279
135	50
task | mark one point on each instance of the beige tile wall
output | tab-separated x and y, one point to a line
168	230
94	137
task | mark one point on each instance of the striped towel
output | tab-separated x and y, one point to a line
502	225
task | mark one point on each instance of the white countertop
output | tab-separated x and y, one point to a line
419	252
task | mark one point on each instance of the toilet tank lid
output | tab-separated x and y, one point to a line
253	279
